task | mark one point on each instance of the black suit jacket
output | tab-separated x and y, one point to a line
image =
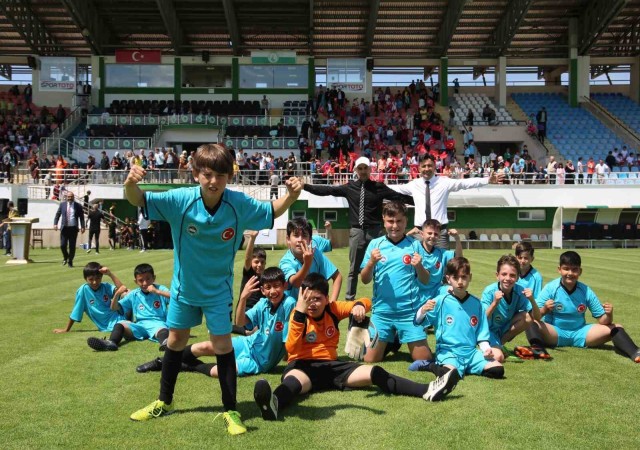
62	213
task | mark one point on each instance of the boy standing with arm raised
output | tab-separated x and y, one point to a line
206	225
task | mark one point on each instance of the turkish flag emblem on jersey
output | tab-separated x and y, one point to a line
138	56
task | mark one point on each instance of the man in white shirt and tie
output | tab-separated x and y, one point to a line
437	189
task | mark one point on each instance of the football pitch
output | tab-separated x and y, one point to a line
57	392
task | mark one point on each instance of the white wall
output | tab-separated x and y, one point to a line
188	135
108	98
50	99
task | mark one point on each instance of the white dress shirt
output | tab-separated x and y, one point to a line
439	190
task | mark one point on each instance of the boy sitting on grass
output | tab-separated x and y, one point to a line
396	269
148	307
313	363
261	351
563	304
510	308
302	258
94	299
460	326
529	276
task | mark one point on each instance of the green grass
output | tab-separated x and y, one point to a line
56	392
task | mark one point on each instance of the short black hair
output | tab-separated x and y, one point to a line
92	269
427	156
143	268
259	252
299	224
457	264
433	223
316	282
272	274
570	258
523	246
509	260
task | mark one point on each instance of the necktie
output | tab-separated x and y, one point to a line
427	201
361	209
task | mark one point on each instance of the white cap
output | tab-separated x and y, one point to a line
362	160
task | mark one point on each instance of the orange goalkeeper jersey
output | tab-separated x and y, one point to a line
309	338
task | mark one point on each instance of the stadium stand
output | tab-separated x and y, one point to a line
573	131
622	107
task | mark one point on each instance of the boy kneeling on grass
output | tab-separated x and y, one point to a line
460	326
313	365
148	307
563	303
510	308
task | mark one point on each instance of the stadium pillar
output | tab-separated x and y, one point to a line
103	82
311	84
443	79
634	85
573	62
177	79
235	78
584	75
501	81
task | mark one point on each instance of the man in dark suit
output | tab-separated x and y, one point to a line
71	219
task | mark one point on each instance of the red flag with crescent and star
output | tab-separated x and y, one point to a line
138	56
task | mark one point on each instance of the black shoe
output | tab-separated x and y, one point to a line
163	345
101	345
155	365
266	401
70	265
64	262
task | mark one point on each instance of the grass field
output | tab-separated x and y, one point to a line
56	392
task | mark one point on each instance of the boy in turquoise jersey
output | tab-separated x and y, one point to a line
510	308
529	276
396	270
207	222
94	299
460	327
302	259
435	259
563	304
148	307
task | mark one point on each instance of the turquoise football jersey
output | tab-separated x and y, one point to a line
204	245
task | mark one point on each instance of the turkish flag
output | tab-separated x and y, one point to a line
138	56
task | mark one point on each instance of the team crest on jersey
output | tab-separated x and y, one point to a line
227	234
582	307
498	319
105	298
406	259
438	264
383	259
473	321
279	326
92	301
141	307
559	307
192	229
330	331
156	304
449	320
311	337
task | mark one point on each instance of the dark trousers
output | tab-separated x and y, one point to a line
144	239
96	234
358	241
443	242
68	237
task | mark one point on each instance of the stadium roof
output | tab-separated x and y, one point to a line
322	28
